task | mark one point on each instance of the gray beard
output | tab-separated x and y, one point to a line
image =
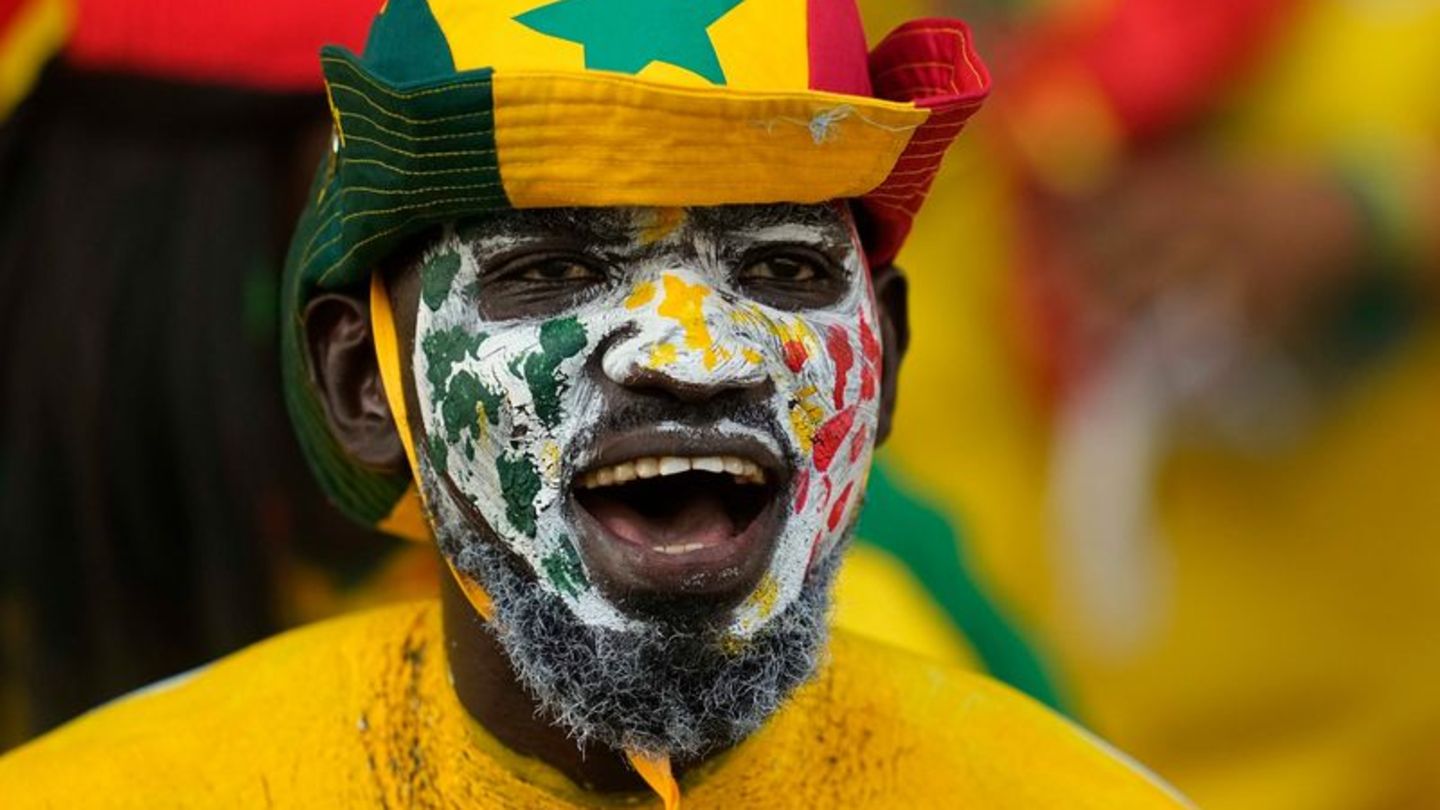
677	691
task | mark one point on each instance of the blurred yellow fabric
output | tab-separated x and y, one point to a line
1294	661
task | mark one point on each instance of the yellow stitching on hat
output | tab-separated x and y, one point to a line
413	206
423	190
398	151
360	94
431	91
409	172
419	138
324	276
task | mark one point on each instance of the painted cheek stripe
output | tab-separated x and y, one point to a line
838	344
795	355
837	511
829	437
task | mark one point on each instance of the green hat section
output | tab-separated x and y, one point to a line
414	147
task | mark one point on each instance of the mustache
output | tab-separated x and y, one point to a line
699	416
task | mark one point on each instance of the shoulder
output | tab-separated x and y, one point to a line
896	729
225	729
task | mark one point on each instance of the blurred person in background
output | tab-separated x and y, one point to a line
1192	384
154	511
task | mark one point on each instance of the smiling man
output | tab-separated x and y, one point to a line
622	346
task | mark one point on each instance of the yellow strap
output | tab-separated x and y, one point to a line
387	354
657	774
407	519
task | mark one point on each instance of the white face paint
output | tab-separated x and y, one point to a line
507	406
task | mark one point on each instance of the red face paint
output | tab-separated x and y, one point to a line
829	437
795	355
837	342
802	490
857	444
837	512
867	384
868	344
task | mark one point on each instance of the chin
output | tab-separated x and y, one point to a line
667	688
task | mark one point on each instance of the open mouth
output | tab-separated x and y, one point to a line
679	524
676	505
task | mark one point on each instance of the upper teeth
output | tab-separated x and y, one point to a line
745	472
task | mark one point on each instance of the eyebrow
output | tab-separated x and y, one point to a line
605	226
734	218
615	227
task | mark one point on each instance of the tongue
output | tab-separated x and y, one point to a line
698	518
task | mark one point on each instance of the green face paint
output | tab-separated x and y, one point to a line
564	571
559	340
461	409
437	277
444	349
520	482
508	405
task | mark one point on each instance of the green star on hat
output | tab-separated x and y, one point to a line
626	35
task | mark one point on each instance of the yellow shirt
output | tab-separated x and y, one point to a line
358	712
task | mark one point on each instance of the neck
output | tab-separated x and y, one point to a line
491	692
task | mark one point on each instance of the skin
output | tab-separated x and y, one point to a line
343	360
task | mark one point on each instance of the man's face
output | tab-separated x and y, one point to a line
667	414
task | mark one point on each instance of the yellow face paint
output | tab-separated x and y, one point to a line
663	355
684	303
642	294
763	599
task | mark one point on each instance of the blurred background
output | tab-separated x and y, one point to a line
1168	450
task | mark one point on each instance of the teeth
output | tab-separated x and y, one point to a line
745	472
683	548
710	464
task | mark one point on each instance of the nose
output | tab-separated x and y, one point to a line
683	344
687	388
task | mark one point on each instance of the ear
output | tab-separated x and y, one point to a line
347	377
892	299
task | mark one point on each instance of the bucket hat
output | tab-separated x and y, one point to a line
456	108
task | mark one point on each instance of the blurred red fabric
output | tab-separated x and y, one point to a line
259	44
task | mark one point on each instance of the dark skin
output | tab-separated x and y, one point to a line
348	378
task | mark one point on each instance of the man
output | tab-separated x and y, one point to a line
623	345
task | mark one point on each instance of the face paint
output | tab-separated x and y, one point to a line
509	407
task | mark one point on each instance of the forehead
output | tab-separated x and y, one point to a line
622	226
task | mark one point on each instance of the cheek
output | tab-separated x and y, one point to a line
833	412
835	364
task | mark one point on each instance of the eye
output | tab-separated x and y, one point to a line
793	277
780	268
538	281
552	269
